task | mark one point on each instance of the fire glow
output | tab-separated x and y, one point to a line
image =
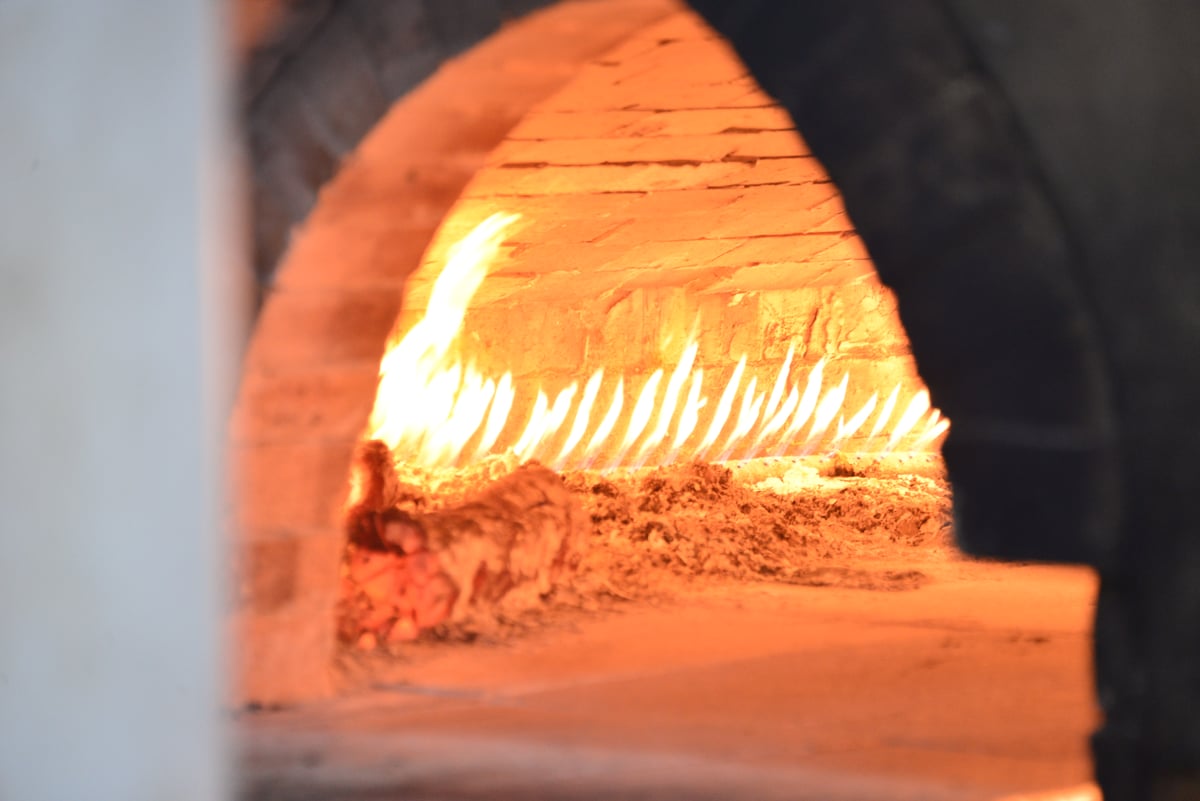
434	411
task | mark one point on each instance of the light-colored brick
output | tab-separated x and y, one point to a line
565	180
547	125
769	249
308	328
285	656
699	122
287	406
634	149
289	487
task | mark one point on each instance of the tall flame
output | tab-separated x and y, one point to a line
436	410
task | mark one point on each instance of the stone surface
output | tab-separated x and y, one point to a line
975	686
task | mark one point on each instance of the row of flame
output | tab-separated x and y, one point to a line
438	412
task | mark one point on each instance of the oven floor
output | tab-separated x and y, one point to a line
975	686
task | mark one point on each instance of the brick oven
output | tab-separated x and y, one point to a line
482	227
661	211
576	450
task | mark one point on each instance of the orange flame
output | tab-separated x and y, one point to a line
438	411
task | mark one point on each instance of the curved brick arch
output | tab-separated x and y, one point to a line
310	370
319	74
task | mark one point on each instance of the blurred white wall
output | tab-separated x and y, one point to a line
113	244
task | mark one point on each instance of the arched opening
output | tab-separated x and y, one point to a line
670	278
661	196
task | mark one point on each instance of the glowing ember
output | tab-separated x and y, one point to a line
440	412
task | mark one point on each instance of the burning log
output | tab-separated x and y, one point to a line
503	548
